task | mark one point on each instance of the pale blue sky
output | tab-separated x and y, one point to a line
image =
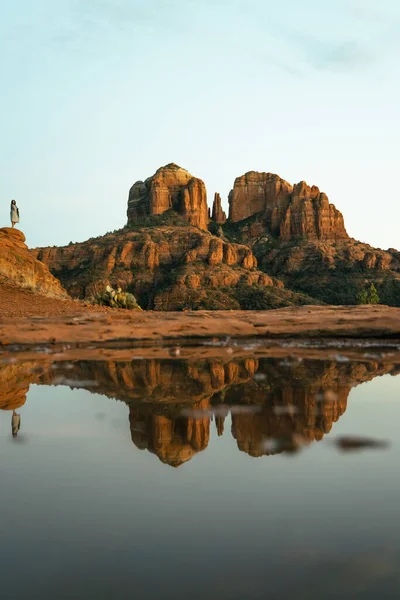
97	94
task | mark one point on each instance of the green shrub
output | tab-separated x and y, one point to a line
116	299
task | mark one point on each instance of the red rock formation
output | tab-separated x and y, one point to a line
287	212
218	215
255	193
171	187
204	266
18	265
301	262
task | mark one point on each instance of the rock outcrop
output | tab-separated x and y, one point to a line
166	268
275	232
170	188
17	265
332	272
218	215
298	236
287	212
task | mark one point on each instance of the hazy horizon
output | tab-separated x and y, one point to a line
101	93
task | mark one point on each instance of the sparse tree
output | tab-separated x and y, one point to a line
369	295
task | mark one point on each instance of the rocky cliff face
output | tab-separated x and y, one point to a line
286	211
17	265
167	268
170	188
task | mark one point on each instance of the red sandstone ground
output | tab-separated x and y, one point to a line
19	302
27	317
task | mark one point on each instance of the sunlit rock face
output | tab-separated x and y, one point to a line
287	211
20	267
170	188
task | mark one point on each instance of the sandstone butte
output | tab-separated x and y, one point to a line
170	188
169	258
288	211
296	233
175	428
172	263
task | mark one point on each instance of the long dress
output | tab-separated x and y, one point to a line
14	214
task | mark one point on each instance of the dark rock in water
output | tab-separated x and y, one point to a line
354	443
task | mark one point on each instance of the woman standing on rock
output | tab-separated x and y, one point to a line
14	213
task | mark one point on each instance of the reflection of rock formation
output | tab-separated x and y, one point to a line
160	381
293	400
300	401
14	384
173	440
18	266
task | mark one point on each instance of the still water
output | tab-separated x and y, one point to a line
229	480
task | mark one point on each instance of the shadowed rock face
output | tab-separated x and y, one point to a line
171	187
286	211
273	403
17	265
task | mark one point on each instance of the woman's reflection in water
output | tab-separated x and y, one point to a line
15	423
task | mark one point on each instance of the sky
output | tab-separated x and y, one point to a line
97	94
